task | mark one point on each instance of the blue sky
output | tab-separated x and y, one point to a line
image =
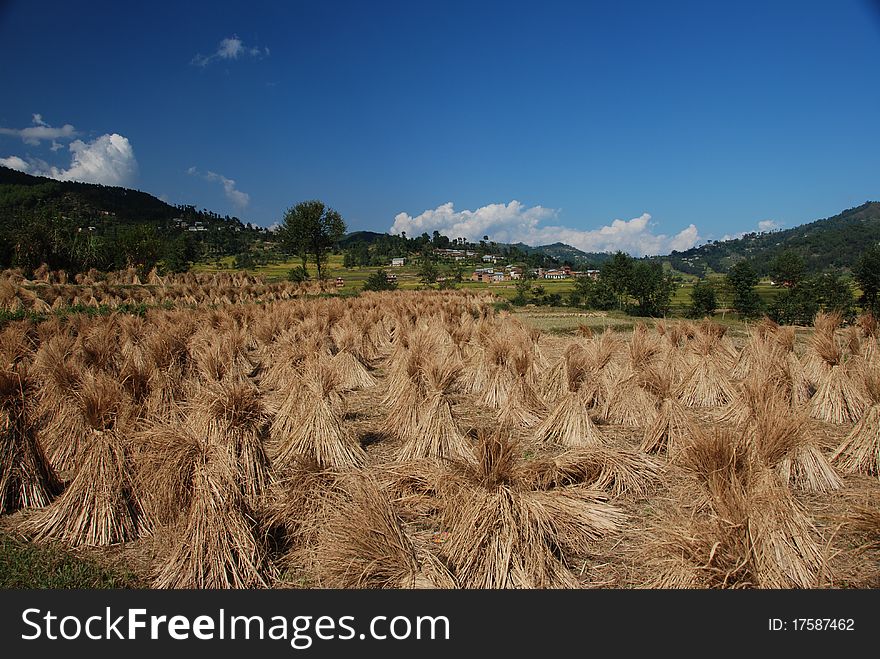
645	126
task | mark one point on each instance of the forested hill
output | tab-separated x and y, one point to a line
76	226
22	191
833	243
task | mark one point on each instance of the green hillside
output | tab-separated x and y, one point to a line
833	243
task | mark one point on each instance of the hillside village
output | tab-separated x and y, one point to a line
500	270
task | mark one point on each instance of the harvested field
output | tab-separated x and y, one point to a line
424	440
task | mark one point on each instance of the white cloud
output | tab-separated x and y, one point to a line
769	225
763	226
40	131
108	160
14	162
230	48
513	222
235	196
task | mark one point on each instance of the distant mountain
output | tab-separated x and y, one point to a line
833	243
565	252
22	191
75	226
368	237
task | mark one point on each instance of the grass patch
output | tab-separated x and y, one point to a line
26	565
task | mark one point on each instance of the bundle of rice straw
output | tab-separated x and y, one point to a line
735	526
571	366
523	406
437	435
215	542
27	480
859	452
569	422
364	545
706	384
318	432
349	360
781	439
614	470
99	506
504	535
672	424
840	396
231	414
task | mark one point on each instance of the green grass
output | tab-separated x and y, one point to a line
133	309
26	565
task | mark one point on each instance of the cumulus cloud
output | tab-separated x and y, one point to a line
768	225
230	48
763	226
14	162
514	222
235	196
108	160
40	131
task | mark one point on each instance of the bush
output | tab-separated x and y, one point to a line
298	274
704	301
378	281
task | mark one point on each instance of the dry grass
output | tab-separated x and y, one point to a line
421	440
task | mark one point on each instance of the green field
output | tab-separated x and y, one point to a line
408	279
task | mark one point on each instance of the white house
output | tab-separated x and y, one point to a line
398	261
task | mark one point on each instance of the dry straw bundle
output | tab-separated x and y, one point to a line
840	395
742	530
859	452
27	480
504	535
215	543
437	435
364	545
317	432
99	506
672	424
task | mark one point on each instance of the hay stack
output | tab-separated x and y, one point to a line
99	506
215	543
318	432
364	545
859	452
504	535
672	424
437	435
840	395
735	525
522	407
27	480
231	414
569	423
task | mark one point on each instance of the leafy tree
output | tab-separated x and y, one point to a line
797	305
704	299
742	279
538	290
243	261
867	274
617	276
138	246
378	281
600	296
788	268
651	288
428	272
523	286
177	254
836	294
311	228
